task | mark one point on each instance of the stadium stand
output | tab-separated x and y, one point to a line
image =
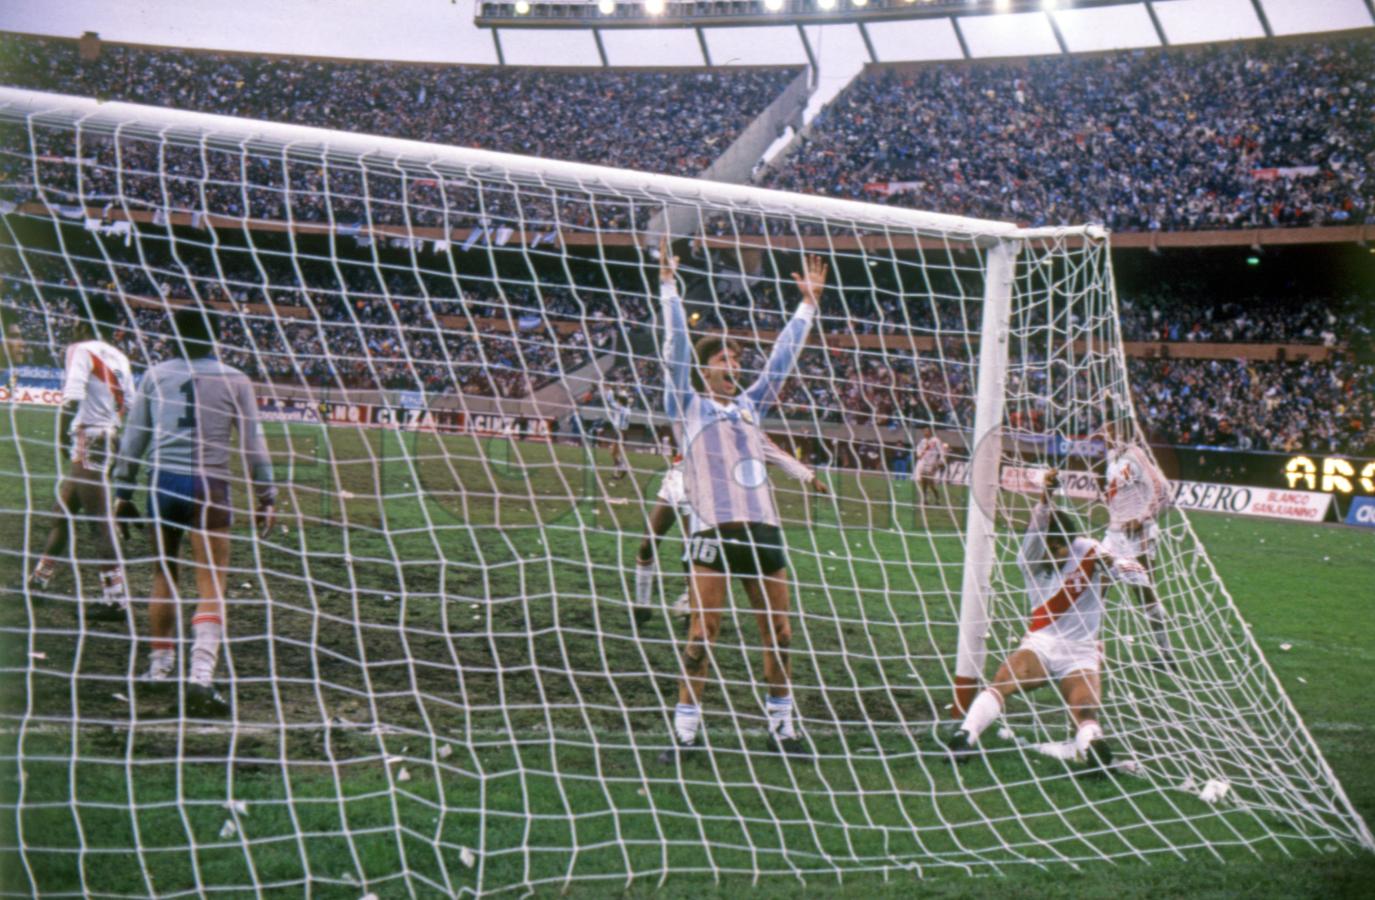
667	121
1277	126
1242	135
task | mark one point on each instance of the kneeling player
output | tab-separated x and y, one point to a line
1065	575
183	416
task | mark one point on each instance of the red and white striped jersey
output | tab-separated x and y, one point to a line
1136	489
99	379
931	451
1066	596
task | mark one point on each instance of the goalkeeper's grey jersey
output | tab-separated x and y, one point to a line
183	419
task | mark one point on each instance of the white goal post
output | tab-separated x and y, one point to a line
438	682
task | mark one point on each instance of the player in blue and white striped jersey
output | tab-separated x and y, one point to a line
183	418
671	504
734	514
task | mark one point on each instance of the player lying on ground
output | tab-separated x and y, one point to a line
183	417
671	504
1065	576
930	456
1136	492
731	499
95	387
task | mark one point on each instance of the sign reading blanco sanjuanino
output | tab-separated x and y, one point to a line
1270	503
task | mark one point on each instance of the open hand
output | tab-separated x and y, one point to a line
813	280
1052	479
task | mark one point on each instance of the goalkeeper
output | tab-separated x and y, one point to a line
183	417
735	521
1064	575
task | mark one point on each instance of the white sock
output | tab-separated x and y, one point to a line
161	662
208	631
1089	731
982	712
781	717
644	582
686	719
112	587
1155	614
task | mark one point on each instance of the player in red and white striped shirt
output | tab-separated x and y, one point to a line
96	388
930	455
1065	574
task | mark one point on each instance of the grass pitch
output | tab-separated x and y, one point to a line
438	689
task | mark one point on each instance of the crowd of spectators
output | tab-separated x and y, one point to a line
389	341
1324	406
488	342
1238	136
1243	135
672	121
676	122
1185	316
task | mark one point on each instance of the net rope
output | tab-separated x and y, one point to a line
437	681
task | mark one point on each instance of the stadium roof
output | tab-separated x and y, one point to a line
445	31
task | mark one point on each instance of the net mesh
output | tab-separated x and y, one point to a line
436	679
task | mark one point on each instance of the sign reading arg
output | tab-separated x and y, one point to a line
1334	475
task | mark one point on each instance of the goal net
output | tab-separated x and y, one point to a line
436	677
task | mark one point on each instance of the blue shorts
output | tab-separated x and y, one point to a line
190	501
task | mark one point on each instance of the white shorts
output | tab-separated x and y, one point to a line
930	470
93	448
1142	544
1061	656
673	492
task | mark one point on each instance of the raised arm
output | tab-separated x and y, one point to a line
1161	497
792	338
1033	549
677	349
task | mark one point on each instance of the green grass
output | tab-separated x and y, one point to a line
440	588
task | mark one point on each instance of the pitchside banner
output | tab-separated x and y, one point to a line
1361	512
30	396
1268	503
439	421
